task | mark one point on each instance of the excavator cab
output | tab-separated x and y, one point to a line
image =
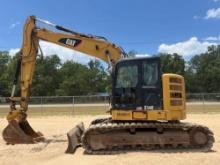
137	83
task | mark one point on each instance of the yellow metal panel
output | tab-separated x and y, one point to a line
156	115
144	116
140	115
121	115
177	115
174	96
166	94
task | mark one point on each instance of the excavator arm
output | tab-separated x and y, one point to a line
18	129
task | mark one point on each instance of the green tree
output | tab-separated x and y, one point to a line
172	63
51	77
204	71
78	79
4	78
46	77
98	78
74	79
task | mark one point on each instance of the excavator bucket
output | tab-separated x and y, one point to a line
74	137
21	133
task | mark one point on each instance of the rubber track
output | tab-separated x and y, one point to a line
107	125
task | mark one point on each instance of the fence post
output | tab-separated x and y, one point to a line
41	105
203	102
106	103
73	106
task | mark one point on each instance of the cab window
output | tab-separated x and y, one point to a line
150	73
127	76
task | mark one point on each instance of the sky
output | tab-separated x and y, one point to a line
149	27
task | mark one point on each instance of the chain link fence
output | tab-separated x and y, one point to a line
96	105
203	102
63	105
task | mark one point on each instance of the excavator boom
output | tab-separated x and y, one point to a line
18	129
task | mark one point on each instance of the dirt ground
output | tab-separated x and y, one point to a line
51	152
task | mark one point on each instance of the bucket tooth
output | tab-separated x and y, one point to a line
74	137
21	133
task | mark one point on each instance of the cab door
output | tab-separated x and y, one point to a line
151	92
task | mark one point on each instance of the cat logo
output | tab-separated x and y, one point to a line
70	41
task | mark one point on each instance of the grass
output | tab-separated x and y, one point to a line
98	110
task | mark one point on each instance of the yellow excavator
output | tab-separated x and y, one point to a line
146	105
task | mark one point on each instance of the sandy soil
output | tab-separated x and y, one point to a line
51	152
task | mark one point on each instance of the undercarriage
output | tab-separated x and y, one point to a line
105	136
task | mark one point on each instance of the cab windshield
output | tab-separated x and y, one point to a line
127	76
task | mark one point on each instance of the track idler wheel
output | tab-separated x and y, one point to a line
74	138
21	133
202	137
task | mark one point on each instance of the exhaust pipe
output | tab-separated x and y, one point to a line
74	138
